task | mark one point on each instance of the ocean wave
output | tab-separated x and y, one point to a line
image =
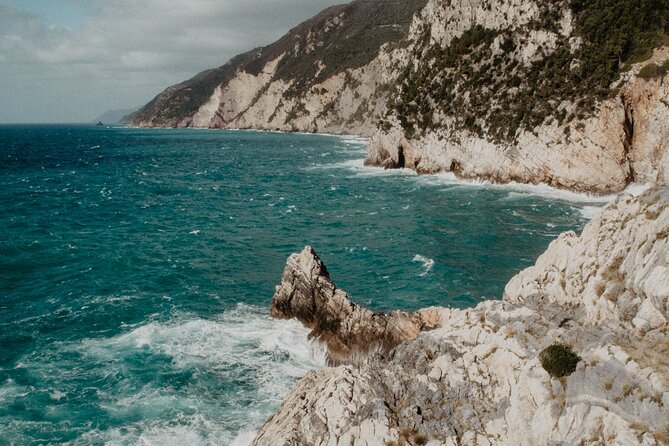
169	382
427	264
242	345
516	190
521	190
245	335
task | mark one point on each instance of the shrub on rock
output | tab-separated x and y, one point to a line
559	360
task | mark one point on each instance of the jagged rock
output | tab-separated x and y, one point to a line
478	378
350	332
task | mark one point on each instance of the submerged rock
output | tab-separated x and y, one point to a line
478	378
350	332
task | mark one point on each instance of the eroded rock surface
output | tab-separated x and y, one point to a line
478	380
350	332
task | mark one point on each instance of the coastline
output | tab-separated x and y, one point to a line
479	379
539	188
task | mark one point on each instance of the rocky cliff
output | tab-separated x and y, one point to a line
327	75
550	92
498	373
572	93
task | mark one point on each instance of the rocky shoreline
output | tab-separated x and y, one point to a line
476	376
314	80
625	142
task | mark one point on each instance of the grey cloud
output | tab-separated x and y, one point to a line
127	51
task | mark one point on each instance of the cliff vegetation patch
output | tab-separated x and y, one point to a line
559	360
652	71
482	83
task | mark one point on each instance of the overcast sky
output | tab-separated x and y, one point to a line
72	60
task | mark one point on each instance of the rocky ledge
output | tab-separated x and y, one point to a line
480	375
349	331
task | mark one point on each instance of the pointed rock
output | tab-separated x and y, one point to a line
349	331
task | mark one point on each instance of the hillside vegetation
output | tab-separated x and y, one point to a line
480	80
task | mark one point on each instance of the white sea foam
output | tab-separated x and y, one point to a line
590	212
516	190
185	430
357	168
355	140
57	395
427	262
233	338
243	438
242	344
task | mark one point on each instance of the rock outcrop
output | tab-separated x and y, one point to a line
350	332
626	140
478	379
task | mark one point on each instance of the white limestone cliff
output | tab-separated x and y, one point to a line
626	140
478	379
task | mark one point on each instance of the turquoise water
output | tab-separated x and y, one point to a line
137	268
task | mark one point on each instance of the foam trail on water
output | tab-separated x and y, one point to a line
357	140
427	262
516	190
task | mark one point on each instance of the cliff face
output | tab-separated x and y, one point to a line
479	378
508	90
516	91
325	75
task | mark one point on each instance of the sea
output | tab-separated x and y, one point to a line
137	267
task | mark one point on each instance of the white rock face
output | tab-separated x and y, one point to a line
479	380
447	20
349	102
594	154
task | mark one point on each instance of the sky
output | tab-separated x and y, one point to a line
65	61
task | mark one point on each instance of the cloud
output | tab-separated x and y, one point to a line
126	51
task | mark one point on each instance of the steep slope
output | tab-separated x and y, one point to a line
572	93
481	378
518	90
322	75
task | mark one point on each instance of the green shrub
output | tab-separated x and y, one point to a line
652	70
559	360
